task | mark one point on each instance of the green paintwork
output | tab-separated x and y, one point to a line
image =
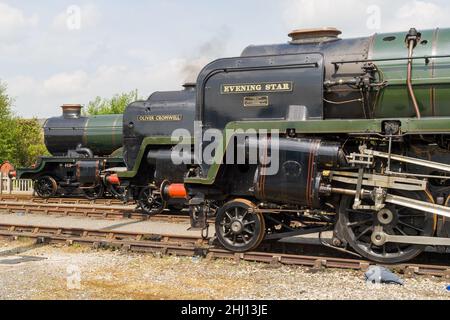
118	153
104	132
44	161
395	100
426	126
149	141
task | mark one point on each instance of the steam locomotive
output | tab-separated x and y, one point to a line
351	136
81	148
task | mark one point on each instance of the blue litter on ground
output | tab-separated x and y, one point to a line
377	275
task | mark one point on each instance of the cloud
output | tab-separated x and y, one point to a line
14	23
42	97
355	17
115	51
66	84
75	18
426	14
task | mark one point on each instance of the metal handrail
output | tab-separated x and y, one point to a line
426	58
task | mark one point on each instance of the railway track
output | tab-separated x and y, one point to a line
82	201
83	208
195	246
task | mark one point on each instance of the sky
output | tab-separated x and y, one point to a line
56	51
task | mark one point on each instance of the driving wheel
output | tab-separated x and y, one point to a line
45	187
359	226
240	227
151	202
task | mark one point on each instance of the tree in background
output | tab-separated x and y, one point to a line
115	105
30	143
6	126
21	141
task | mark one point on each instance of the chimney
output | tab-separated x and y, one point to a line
302	36
72	111
189	86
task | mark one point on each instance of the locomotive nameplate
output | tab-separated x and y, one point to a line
161	118
264	87
256	101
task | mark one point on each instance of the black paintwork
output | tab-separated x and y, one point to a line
88	172
216	110
160	103
337	50
64	134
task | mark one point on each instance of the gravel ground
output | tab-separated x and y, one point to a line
60	272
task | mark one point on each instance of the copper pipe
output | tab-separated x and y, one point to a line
411	45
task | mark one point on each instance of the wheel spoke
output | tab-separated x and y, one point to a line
252	233
363	233
411	216
411	226
401	231
360	212
359	223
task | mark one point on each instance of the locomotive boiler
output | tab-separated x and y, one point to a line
82	148
359	129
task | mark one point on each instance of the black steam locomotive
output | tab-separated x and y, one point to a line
359	129
319	134
83	149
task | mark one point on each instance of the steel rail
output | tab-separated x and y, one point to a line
196	246
88	211
19	197
45	233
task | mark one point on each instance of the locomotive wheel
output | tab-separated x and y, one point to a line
94	193
45	187
151	202
239	226
359	225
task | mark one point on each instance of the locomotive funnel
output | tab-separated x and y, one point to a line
189	86
314	35
71	111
